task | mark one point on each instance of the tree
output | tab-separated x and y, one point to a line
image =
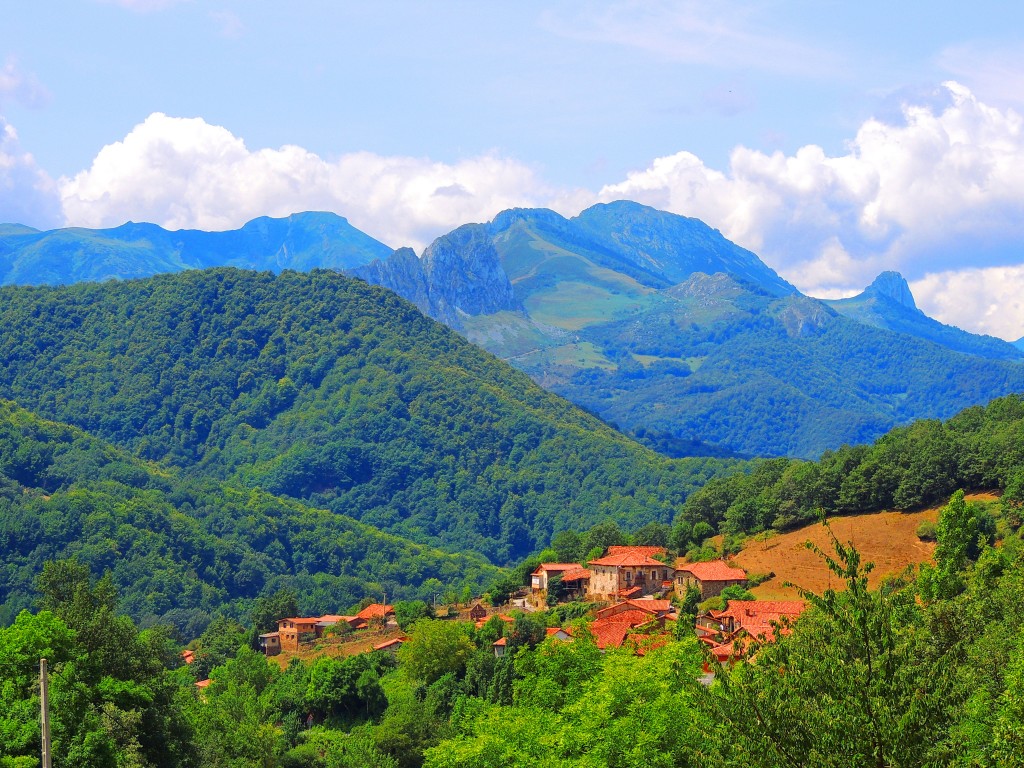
960	534
569	546
267	609
435	648
853	685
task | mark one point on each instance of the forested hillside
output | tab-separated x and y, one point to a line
927	670
180	550
325	389
981	448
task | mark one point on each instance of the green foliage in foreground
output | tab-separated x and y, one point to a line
865	678
979	448
324	389
181	550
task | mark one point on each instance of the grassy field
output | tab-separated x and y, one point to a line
887	539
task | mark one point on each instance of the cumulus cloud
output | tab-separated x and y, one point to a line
914	196
27	194
980	300
936	188
185	173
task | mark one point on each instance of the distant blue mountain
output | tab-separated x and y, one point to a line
688	342
888	303
301	241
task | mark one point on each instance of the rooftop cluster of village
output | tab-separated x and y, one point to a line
634	596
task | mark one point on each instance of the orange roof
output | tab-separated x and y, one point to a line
307	621
188	656
375	611
611	634
556	567
389	643
645	643
634	617
756	616
716	570
628	559
630	592
576	574
552	631
503	641
648	604
204	683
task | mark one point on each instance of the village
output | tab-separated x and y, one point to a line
634	594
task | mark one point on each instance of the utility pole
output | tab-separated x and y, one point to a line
44	705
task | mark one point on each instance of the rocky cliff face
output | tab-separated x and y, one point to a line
892	285
465	275
402	272
459	274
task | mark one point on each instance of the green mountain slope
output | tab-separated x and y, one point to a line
62	256
662	327
888	303
180	550
322	388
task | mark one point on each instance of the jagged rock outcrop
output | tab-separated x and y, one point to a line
892	285
465	276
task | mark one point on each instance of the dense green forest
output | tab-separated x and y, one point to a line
927	670
181	550
324	389
772	377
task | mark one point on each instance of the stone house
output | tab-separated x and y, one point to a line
710	578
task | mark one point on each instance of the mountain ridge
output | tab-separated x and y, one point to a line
889	303
299	241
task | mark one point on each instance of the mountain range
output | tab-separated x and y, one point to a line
654	322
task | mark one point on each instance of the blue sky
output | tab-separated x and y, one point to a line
835	140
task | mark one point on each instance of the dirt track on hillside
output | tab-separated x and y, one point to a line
887	539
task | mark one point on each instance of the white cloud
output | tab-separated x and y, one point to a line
980	300
938	189
21	86
186	173
27	194
918	196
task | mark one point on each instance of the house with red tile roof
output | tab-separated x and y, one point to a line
609	635
292	632
392	645
758	618
655	609
631	570
376	612
500	646
479	623
729	633
710	578
576	582
542	575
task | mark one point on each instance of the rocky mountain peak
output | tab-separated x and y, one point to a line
892	285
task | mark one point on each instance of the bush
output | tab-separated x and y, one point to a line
927	531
